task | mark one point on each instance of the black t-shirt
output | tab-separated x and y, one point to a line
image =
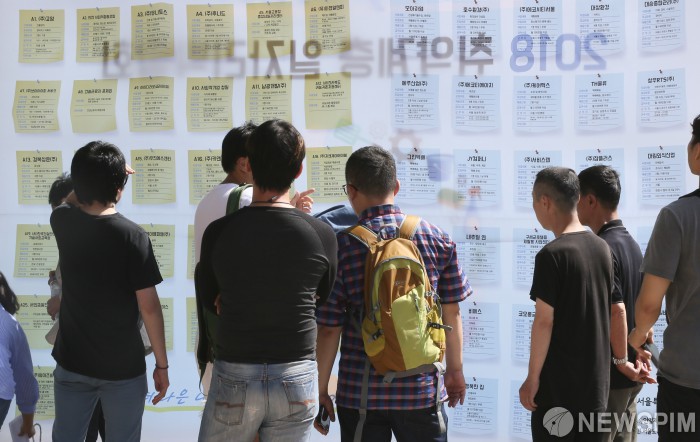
628	279
269	264
104	260
574	275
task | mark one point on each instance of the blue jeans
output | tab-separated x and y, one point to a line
76	396
278	401
4	408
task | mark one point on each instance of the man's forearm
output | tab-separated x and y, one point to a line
648	306
152	315
540	338
618	330
453	355
327	341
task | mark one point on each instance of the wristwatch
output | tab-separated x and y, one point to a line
619	361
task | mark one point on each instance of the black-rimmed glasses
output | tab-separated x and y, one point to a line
345	188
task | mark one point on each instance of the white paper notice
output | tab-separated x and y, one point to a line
527	164
526	244
537	104
480	323
479	414
661	25
523	317
539	23
661	98
601	25
600	102
476	103
519	416
415	101
661	177
417	185
614	158
478	177
479	252
416	23
477	29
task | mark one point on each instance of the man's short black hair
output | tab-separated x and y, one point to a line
99	172
60	189
560	184
275	151
603	182
233	146
372	170
696	130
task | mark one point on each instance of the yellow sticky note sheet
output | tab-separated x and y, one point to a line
205	172
98	34
41	35
269	29
36	171
35	108
267	98
327	100
325	172
34	320
93	106
151	104
328	24
154	180
209	102
163	241
190	251
36	253
209	31
168	307
152	31
192	324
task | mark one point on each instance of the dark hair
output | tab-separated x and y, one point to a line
234	145
275	151
372	170
8	300
696	130
60	189
99	172
603	182
560	184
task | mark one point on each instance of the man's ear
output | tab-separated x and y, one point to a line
301	168
397	187
243	164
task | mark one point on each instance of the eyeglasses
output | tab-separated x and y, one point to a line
345	188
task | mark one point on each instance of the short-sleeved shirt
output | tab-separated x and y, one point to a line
627	258
104	260
673	253
446	276
271	266
574	275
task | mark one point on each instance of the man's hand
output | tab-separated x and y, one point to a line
303	201
528	391
637	372
456	387
53	306
325	400
637	339
161	382
27	428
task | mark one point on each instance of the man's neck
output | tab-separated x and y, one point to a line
567	223
97	208
233	178
602	219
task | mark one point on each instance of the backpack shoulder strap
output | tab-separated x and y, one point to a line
362	233
409	226
234	198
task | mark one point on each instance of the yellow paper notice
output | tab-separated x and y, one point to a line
36	171
35	108
152	31
41	34
325	172
163	241
267	98
34	320
192	324
36	253
328	23
154	180
209	31
167	305
205	172
98	34
190	251
327	101
209	104
269	29
151	104
92	108
45	407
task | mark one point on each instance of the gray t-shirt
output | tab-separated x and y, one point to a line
673	254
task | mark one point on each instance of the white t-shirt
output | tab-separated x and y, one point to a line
213	207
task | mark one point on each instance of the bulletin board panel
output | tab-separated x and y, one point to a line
472	98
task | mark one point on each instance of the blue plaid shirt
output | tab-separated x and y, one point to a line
445	273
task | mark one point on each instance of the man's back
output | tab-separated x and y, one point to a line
574	275
104	261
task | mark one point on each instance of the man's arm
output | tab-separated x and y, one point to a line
152	315
539	346
634	371
647	310
327	341
454	376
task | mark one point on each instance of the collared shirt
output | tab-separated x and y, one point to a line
446	276
16	373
